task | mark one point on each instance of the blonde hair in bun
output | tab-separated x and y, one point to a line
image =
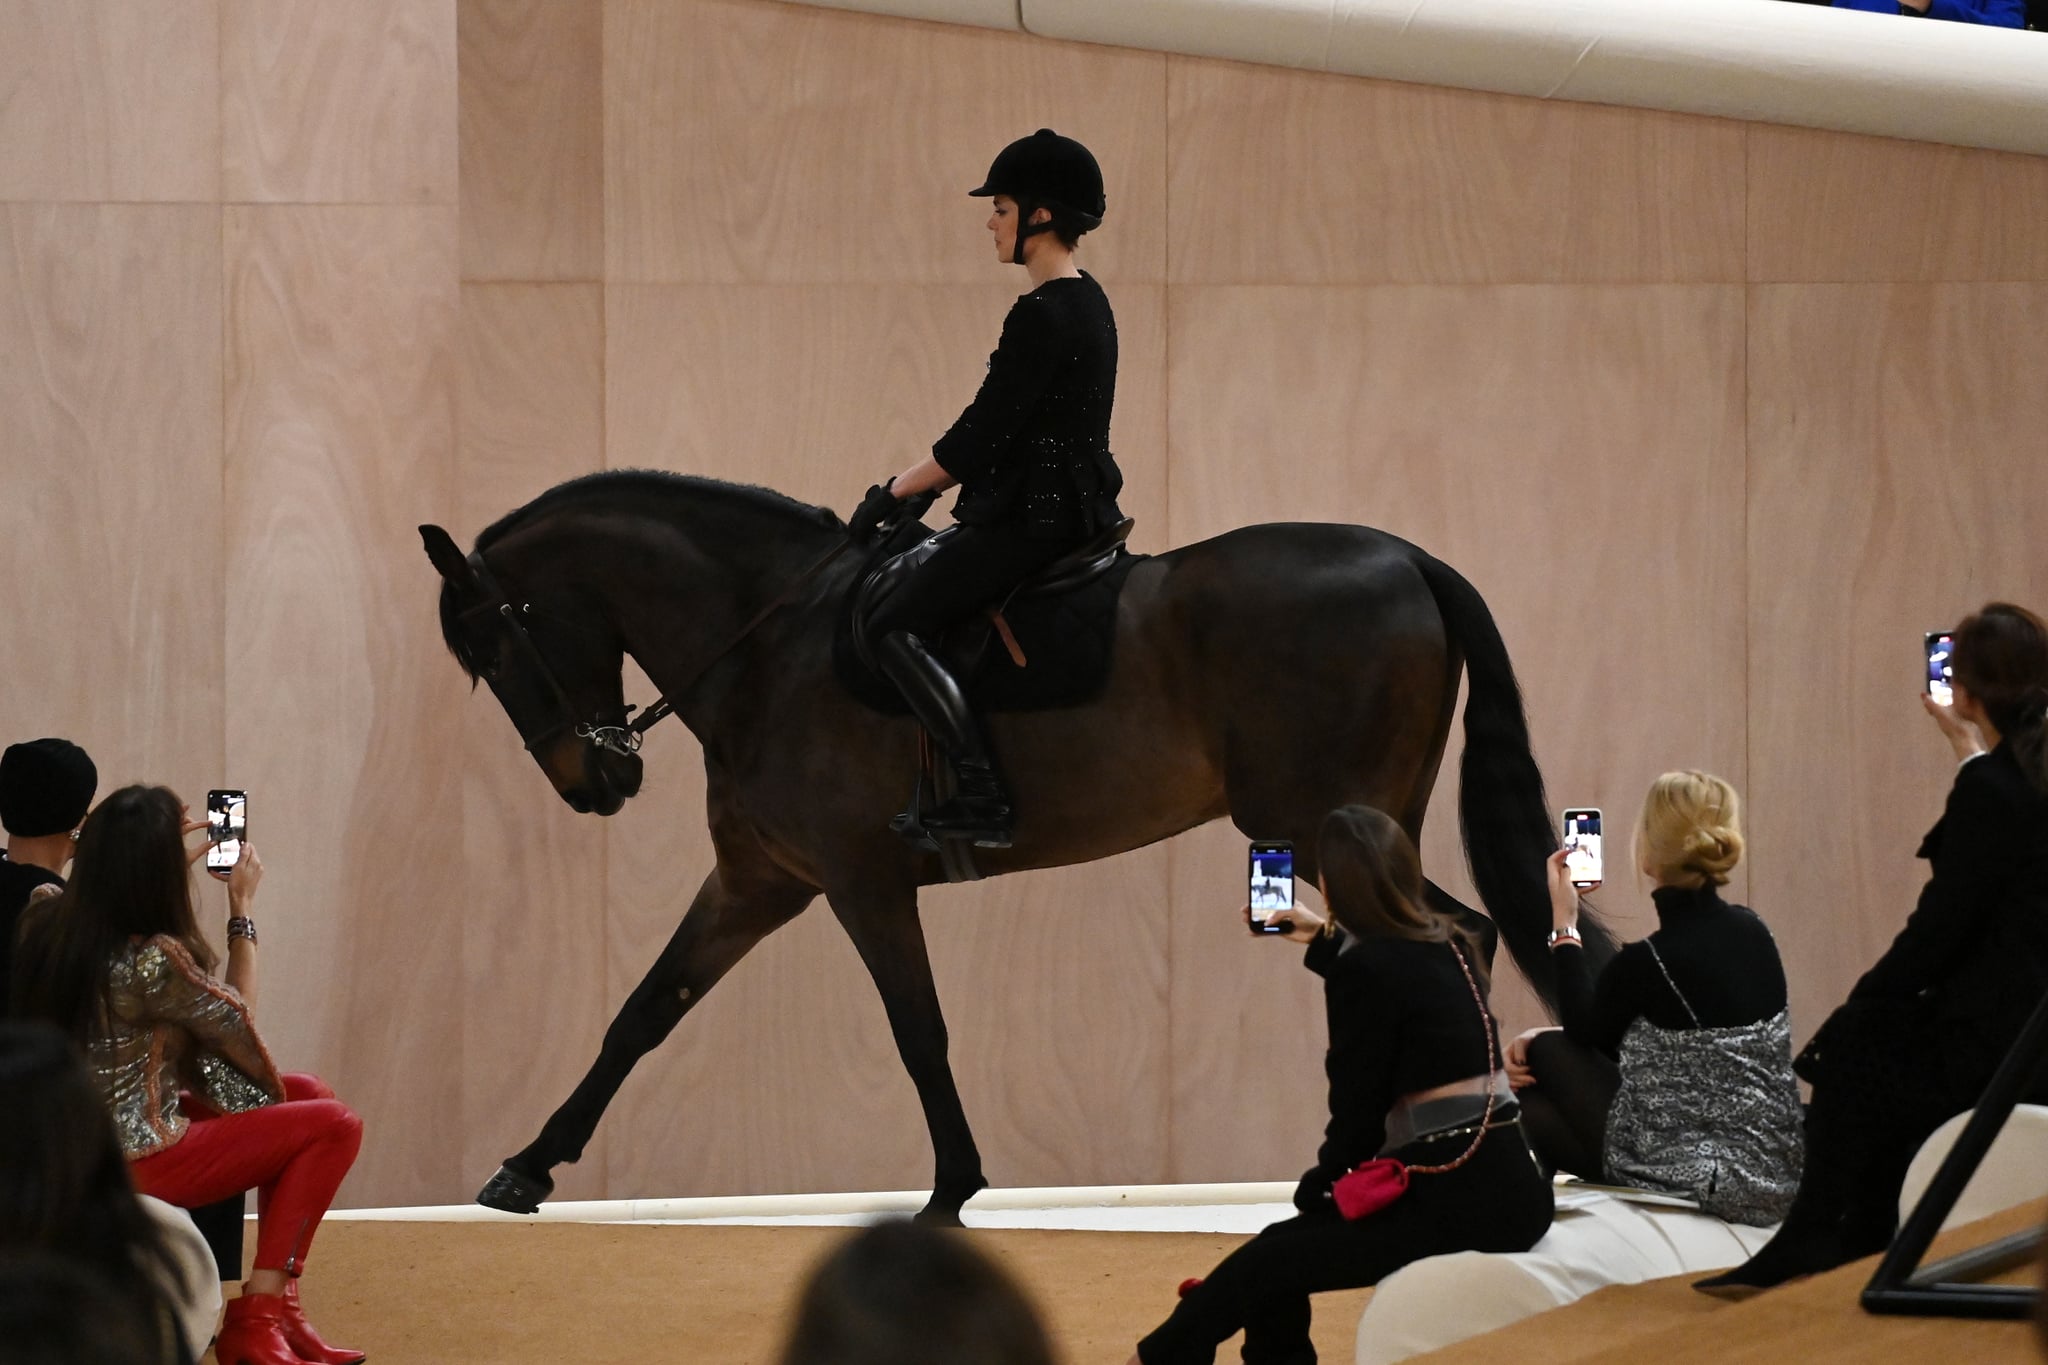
1691	830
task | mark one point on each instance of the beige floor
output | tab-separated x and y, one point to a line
528	1294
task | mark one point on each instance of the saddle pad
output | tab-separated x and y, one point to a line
1067	642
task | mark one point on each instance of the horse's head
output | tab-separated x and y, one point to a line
552	663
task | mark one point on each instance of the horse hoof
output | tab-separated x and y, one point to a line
511	1191
934	1215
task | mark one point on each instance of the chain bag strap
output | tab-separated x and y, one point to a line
1372	1185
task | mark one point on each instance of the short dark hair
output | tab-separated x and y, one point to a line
900	1293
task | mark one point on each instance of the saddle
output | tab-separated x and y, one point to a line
1046	646
1056	630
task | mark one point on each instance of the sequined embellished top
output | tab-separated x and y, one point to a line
174	1027
1033	446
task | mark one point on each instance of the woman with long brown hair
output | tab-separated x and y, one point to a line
1919	1036
118	962
1415	1081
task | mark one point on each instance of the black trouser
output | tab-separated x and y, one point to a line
1495	1202
1565	1112
972	567
1892	1077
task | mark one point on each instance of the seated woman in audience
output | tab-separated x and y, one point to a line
1673	1070
899	1293
118	961
1415	1075
66	1199
1922	1032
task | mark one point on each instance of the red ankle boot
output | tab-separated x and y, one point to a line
299	1334
253	1333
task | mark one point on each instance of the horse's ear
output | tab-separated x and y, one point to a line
447	557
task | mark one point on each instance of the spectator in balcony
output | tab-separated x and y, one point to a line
1998	13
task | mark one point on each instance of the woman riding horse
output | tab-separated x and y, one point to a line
1030	455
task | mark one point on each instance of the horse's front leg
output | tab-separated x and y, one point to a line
733	911
882	921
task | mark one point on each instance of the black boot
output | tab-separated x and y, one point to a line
981	810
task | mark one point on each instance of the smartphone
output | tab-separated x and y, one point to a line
227	825
1272	885
1582	847
1941	648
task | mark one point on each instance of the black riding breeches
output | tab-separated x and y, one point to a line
972	567
1495	1202
1565	1112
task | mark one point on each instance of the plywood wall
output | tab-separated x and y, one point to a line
1719	417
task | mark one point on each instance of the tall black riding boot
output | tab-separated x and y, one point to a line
981	810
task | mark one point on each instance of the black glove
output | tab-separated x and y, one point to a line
877	507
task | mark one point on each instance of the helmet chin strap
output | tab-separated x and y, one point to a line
1027	228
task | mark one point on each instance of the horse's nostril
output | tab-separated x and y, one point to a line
578	802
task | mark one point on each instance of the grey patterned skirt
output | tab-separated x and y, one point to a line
1712	1114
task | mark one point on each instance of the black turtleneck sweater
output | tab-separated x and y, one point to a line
1720	955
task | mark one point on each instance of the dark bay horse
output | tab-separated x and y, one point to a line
1199	719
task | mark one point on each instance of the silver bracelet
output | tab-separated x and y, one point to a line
241	926
1566	935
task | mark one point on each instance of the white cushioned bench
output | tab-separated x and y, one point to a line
1608	1239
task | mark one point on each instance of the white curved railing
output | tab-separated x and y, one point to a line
1762	60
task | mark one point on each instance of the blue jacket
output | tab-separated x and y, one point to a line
2003	13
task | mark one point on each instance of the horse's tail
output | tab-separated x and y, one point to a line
1501	806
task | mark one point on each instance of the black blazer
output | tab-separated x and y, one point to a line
1033	446
1976	946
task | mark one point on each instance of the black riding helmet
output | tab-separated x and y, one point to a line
1047	171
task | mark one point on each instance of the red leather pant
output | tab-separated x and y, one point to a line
294	1154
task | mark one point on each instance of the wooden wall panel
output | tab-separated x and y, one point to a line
343	716
773	144
1298	178
110	440
534	921
1247	1034
1576	452
1897	439
110	101
532	126
1833	206
325	103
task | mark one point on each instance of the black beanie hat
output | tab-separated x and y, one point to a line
46	787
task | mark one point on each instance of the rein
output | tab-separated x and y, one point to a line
623	738
782	599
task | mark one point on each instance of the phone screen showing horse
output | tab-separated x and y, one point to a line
227	825
1941	648
1272	885
1582	848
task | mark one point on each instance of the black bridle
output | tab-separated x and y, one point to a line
621	737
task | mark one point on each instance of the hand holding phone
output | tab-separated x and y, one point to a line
1272	887
227	829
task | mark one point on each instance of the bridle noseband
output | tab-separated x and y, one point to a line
619	739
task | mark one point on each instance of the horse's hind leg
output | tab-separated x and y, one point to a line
729	916
883	924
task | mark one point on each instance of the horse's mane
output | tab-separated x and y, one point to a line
639	485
